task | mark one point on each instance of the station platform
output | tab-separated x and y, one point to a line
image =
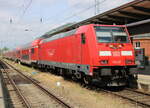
143	81
2	105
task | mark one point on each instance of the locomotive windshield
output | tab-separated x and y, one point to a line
111	34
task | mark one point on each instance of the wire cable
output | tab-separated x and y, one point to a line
79	13
65	10
26	8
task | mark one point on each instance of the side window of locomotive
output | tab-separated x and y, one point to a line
83	38
32	50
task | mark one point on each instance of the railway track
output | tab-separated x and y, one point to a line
136	96
139	98
17	78
17	100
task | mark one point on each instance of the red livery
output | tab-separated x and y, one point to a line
101	52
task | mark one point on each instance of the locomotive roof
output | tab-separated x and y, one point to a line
47	34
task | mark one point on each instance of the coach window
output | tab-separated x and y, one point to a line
32	50
83	38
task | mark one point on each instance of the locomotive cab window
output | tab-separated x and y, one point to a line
111	34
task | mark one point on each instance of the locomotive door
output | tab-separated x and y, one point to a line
34	54
32	51
84	49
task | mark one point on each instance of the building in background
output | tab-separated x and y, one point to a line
142	41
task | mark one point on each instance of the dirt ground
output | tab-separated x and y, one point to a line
73	92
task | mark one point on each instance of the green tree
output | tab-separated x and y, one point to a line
5	49
2	50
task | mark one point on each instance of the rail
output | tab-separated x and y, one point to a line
39	86
140	98
25	101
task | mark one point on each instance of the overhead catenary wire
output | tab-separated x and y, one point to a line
12	21
26	8
64	10
41	19
78	13
69	17
22	13
96	7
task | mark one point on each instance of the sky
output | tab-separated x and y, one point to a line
20	20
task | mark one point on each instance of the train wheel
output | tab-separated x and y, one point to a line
87	80
73	77
78	75
62	72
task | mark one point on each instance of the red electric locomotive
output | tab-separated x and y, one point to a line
90	52
101	52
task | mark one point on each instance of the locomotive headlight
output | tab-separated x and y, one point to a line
104	53
126	53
